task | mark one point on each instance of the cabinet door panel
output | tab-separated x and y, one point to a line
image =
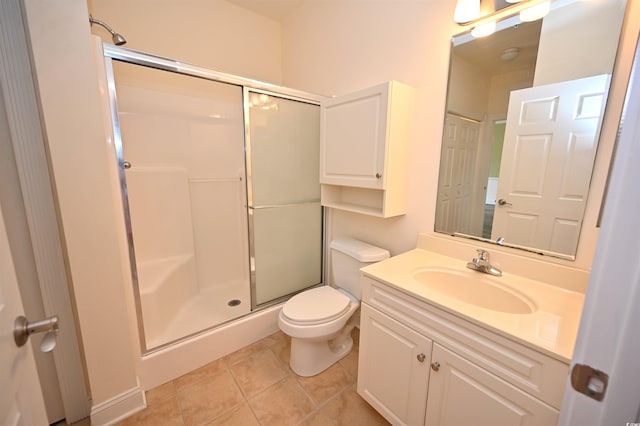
393	371
354	136
463	393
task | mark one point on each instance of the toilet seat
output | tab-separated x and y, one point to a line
316	306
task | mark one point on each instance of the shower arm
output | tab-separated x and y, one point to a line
118	39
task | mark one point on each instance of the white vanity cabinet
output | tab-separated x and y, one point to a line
421	365
364	140
393	369
460	393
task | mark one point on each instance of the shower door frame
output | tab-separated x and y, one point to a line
251	207
122	54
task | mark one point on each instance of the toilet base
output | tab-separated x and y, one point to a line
309	358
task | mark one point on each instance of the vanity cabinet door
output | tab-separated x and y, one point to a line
462	393
393	368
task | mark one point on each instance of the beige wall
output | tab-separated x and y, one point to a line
575	41
468	89
211	33
501	87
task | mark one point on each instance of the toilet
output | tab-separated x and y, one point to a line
320	320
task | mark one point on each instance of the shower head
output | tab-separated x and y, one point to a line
118	40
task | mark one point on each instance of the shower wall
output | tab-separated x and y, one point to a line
213	34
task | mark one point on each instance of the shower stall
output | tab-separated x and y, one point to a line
220	192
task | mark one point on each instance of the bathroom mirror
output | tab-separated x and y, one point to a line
523	115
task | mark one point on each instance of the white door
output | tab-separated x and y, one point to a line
457	174
608	338
549	149
21	400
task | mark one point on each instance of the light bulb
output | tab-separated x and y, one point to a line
466	10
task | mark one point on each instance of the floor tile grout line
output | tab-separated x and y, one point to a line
276	346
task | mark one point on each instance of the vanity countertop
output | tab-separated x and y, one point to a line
551	329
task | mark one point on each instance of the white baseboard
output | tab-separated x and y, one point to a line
119	407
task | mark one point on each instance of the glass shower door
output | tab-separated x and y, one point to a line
181	151
285	215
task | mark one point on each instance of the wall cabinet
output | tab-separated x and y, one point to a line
364	140
420	365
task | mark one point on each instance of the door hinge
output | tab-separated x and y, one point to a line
589	381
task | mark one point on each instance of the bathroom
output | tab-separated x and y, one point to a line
359	49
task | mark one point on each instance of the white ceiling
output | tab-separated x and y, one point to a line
274	9
279	9
485	52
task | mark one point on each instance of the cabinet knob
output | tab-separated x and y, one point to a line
421	357
435	366
378	175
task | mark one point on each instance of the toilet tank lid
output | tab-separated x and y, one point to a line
361	251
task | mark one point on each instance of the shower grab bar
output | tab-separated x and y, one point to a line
275	206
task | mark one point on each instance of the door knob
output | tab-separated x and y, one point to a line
435	366
421	357
22	329
503	202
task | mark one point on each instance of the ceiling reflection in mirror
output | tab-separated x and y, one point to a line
523	116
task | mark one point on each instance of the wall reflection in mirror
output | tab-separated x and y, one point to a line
523	116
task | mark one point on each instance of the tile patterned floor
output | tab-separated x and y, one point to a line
254	386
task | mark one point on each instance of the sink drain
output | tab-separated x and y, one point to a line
234	302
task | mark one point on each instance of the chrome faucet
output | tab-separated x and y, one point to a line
482	264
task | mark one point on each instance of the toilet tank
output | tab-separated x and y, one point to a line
347	257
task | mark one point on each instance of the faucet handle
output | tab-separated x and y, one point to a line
482	254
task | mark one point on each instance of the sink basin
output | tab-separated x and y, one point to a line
475	289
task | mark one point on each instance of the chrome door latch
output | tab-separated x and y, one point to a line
589	381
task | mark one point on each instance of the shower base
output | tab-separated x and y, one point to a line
202	311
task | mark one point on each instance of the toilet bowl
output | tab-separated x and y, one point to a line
320	320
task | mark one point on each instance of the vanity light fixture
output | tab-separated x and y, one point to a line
467	13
